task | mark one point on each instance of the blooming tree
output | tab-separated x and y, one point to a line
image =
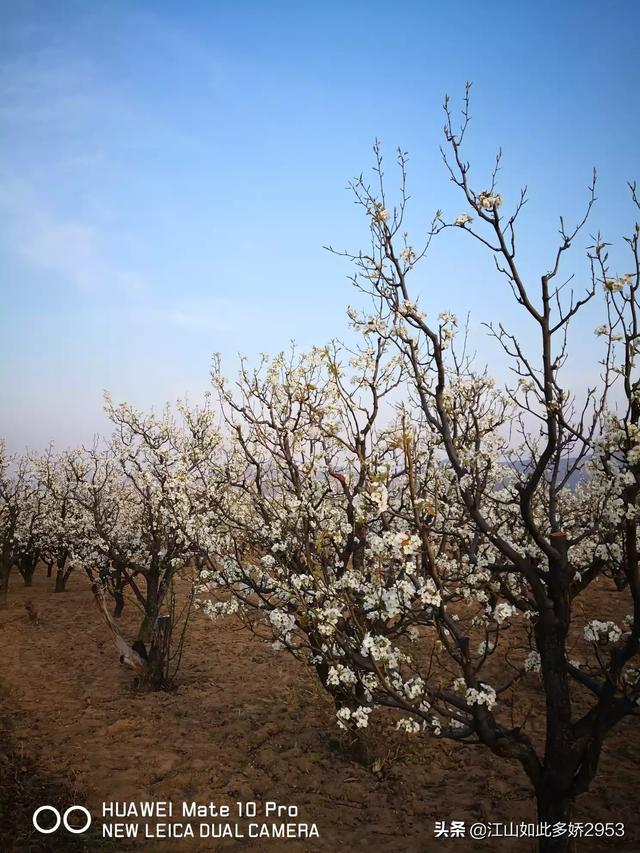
546	511
138	497
313	535
29	531
62	524
111	533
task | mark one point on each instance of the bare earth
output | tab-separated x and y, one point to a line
246	723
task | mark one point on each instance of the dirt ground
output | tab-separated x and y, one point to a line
245	723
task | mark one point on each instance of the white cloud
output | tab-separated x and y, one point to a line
70	249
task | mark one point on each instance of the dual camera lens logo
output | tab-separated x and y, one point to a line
39	815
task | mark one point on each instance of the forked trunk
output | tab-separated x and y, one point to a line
63	572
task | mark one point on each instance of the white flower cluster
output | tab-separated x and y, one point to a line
615	285
381	650
486	695
379	213
503	611
283	623
340	674
409	726
597	631
488	200
216	609
359	717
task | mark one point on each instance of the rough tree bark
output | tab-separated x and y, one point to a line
156	674
152	607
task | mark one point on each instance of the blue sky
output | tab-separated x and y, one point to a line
169	173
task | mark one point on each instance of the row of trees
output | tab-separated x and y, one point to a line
115	511
423	539
38	518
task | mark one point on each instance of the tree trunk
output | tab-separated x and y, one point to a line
27	568
50	568
553	795
145	634
554	807
118	595
159	653
119	603
61	580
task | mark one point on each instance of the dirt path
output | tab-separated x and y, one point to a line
248	723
